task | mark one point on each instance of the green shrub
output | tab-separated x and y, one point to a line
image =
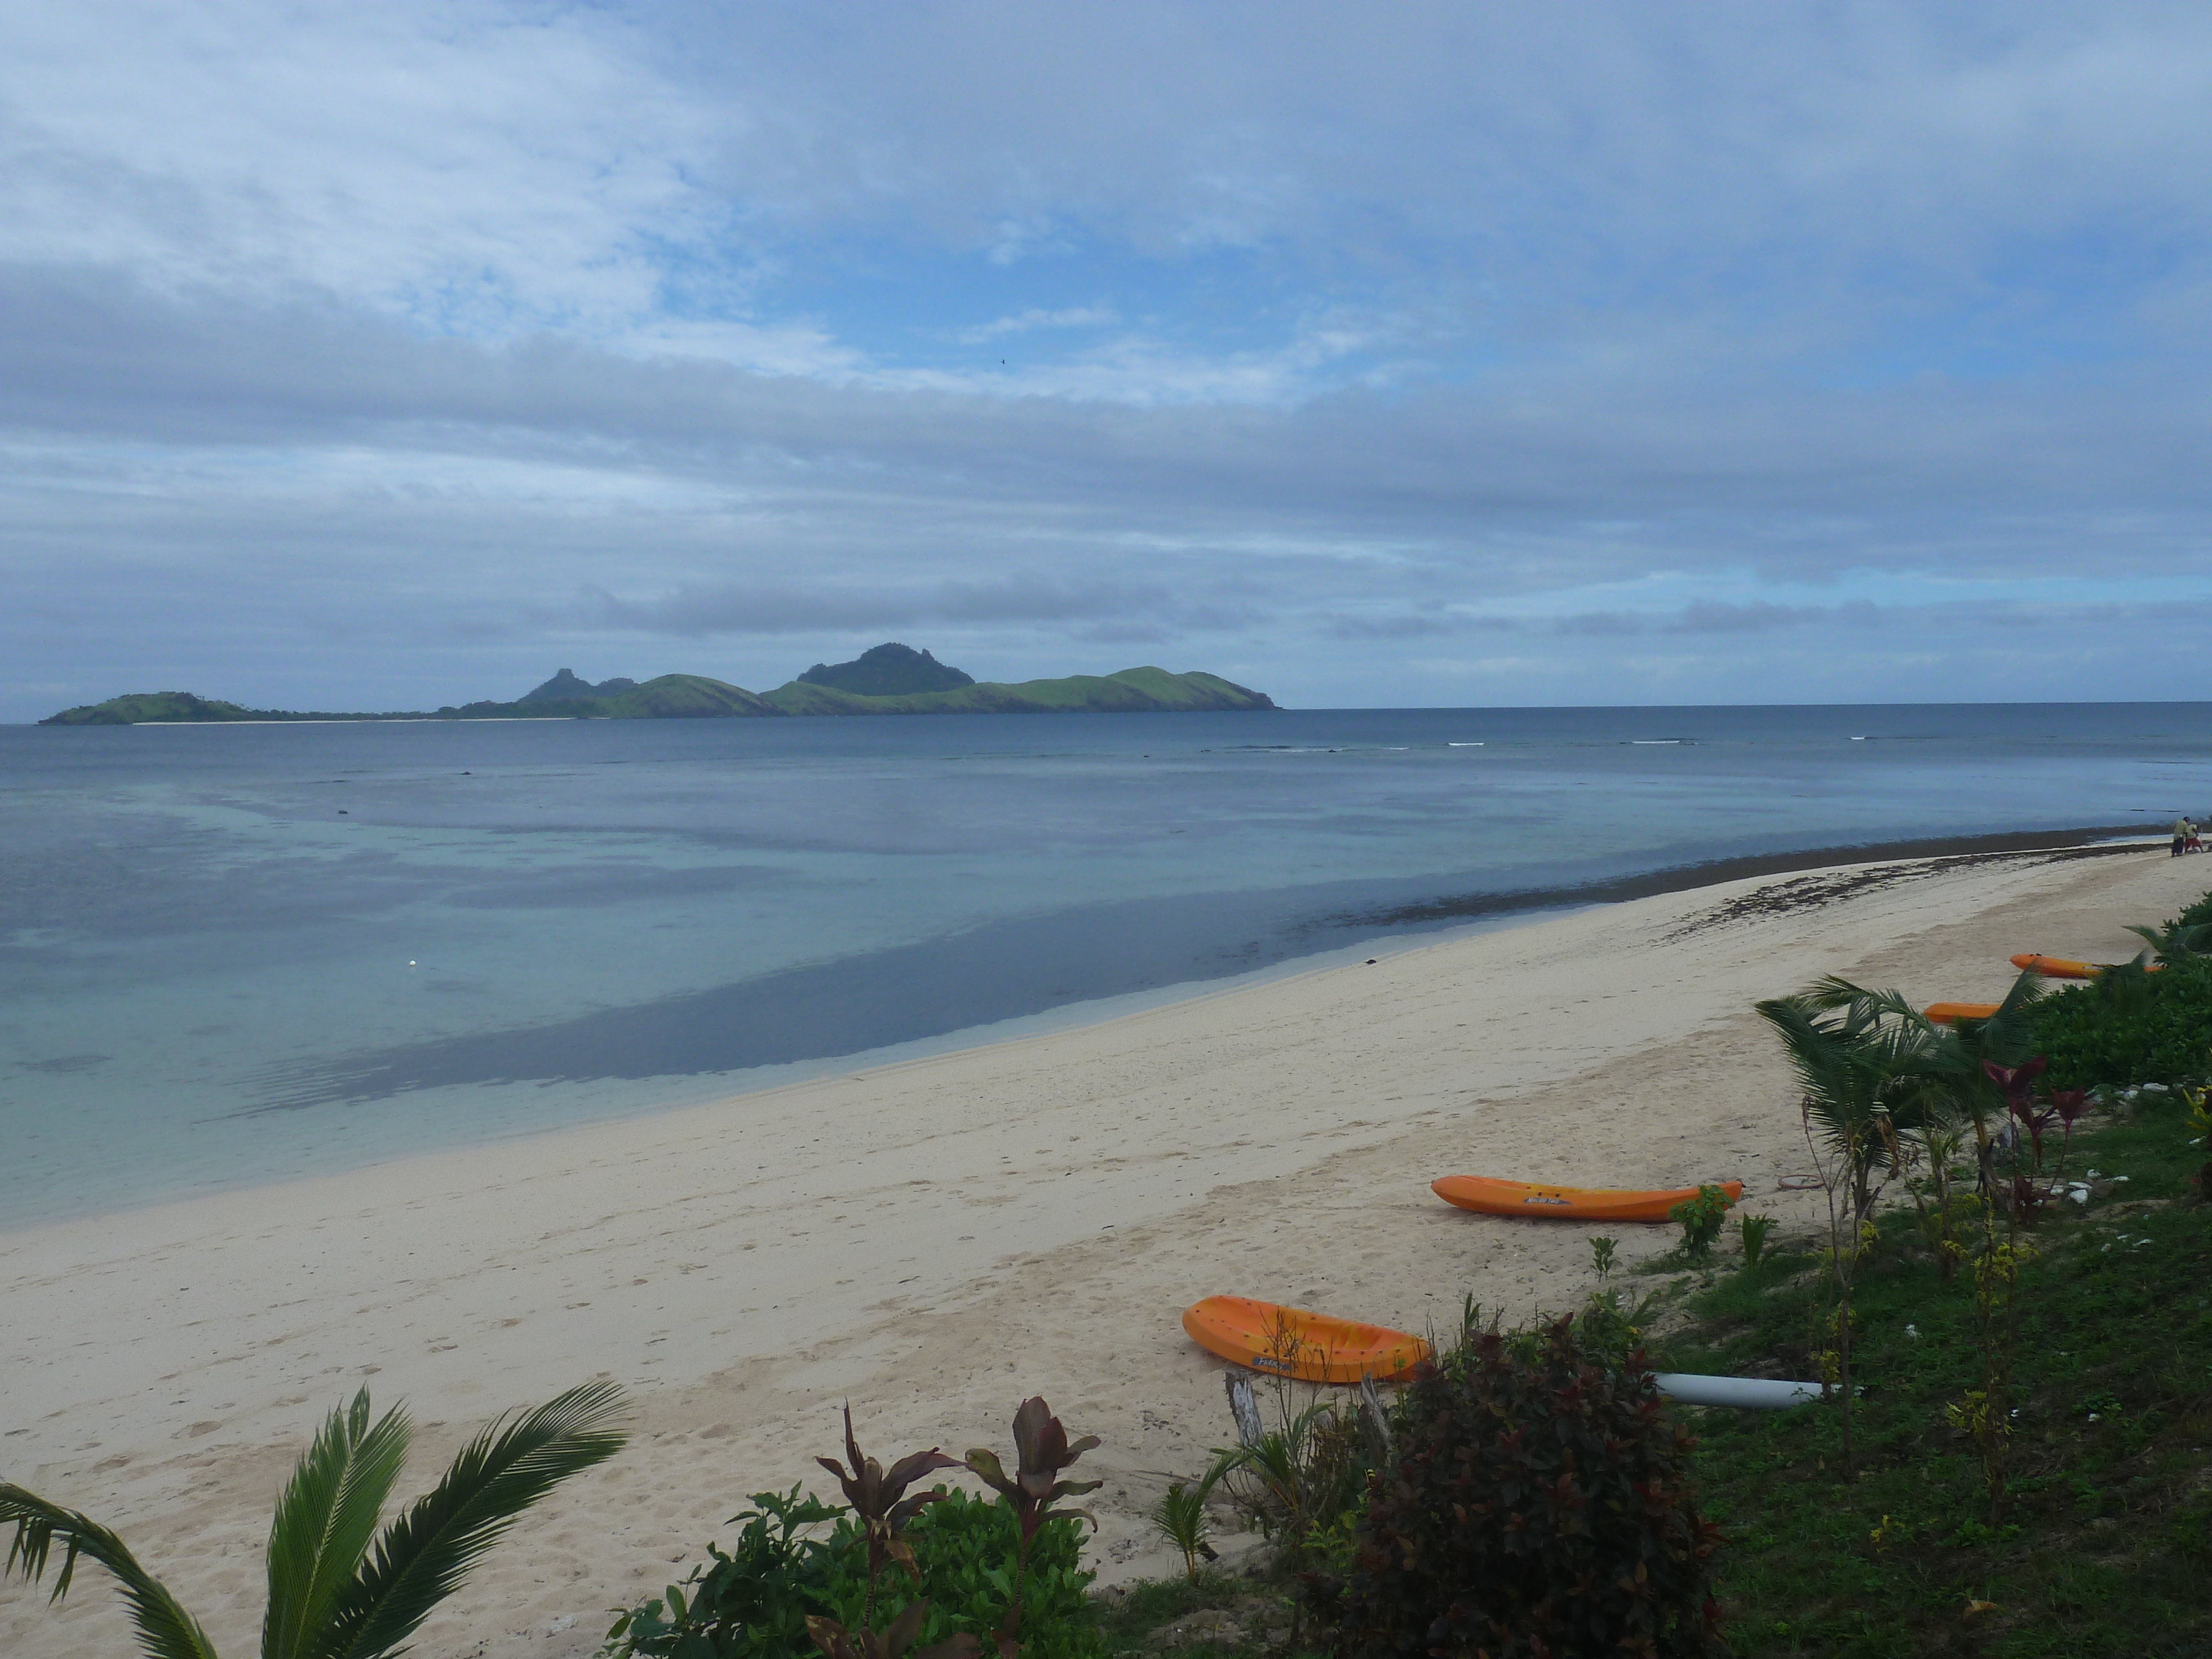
966	1547
1701	1219
2196	914
750	1603
2127	1026
1538	1504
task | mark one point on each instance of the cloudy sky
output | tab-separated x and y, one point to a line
1376	354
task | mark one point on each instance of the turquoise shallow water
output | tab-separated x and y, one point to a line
232	953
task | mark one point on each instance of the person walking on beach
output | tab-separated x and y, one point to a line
2180	837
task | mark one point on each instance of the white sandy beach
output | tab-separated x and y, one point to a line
934	1240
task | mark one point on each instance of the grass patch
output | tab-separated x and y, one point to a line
1217	1615
2107	1540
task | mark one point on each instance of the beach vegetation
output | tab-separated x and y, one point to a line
973	1560
1043	1452
2061	1510
1862	1064
1958	1057
339	1586
1299	1472
1181	1518
937	1570
1753	1231
2129	1026
751	1601
1538	1502
1296	1484
2176	940
1700	1217
797	1558
881	1507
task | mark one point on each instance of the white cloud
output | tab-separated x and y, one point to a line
1341	331
1036	317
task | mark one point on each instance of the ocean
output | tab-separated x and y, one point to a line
230	954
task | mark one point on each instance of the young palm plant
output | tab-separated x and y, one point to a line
1869	1067
1966	1050
329	1597
2174	940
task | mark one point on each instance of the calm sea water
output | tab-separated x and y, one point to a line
230	953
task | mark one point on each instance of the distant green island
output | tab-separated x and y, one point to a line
890	679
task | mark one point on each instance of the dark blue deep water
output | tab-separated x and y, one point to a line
228	953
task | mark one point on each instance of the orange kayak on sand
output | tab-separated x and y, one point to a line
2064	966
1290	1342
1950	1013
1519	1198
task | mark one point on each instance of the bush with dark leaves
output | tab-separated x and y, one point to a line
1539	1508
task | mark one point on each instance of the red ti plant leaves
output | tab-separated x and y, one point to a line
2023	1107
2017	1081
1043	1449
2069	1104
878	1498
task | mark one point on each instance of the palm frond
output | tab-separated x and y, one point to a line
423	1557
1854	1073
325	1521
167	1630
1861	1006
2175	939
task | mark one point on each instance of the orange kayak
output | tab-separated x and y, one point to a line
1290	1342
1950	1013
1519	1197
2055	967
2065	967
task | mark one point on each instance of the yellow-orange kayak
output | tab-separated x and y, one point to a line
1950	1013
1290	1342
1519	1197
2064	966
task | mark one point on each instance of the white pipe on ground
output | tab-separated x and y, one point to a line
1753	1392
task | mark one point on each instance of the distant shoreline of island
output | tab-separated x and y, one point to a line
888	679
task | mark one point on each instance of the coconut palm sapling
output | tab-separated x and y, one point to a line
1180	1517
329	1597
1866	1066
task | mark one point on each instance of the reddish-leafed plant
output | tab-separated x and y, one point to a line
880	1503
1539	1503
1042	1450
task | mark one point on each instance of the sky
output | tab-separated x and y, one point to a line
1389	355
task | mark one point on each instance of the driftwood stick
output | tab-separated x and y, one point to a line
1244	1406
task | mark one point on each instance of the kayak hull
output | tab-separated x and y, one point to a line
1950	1013
1521	1199
1309	1348
2066	968
2055	967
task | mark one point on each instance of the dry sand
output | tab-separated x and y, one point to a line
935	1240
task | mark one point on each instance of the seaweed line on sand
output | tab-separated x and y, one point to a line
1823	887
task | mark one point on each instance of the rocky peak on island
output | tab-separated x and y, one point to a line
565	687
887	671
